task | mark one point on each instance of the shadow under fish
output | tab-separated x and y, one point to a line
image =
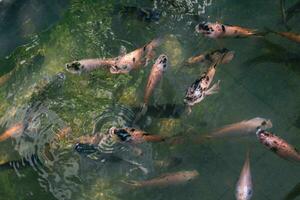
294	193
274	53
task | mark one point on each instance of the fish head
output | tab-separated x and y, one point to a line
162	63
75	67
266	124
261	123
265	137
212	30
194	93
122	134
203	27
190	175
244	193
85	148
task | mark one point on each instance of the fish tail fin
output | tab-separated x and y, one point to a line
150	54
141	113
258	33
144	109
156	42
214	89
131	183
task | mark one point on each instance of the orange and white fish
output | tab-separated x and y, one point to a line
278	145
212	57
289	35
169	179
13	131
122	64
156	74
136	136
218	30
243	127
244	187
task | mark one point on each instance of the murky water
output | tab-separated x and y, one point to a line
50	108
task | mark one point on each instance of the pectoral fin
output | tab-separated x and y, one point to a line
123	51
214	89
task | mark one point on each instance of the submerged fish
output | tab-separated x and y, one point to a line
165	180
212	57
156	74
289	35
89	144
245	126
278	145
13	131
119	65
244	188
136	136
200	88
168	163
218	30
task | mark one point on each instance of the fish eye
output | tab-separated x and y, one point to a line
249	192
264	123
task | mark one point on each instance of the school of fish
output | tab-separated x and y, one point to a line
202	87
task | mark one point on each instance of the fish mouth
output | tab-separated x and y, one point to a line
203	27
74	67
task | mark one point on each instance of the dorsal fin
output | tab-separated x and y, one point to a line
123	50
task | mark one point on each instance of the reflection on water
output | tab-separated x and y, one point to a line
45	111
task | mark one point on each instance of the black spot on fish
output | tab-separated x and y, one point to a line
164	66
267	144
145	47
132	130
207	78
264	123
133	59
122	134
223	28
274	149
196	83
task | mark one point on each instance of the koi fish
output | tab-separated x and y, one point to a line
212	57
200	88
136	136
218	30
288	35
156	74
169	179
245	126
13	131
122	64
278	145
244	188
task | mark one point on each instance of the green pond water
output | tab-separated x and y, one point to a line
38	38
